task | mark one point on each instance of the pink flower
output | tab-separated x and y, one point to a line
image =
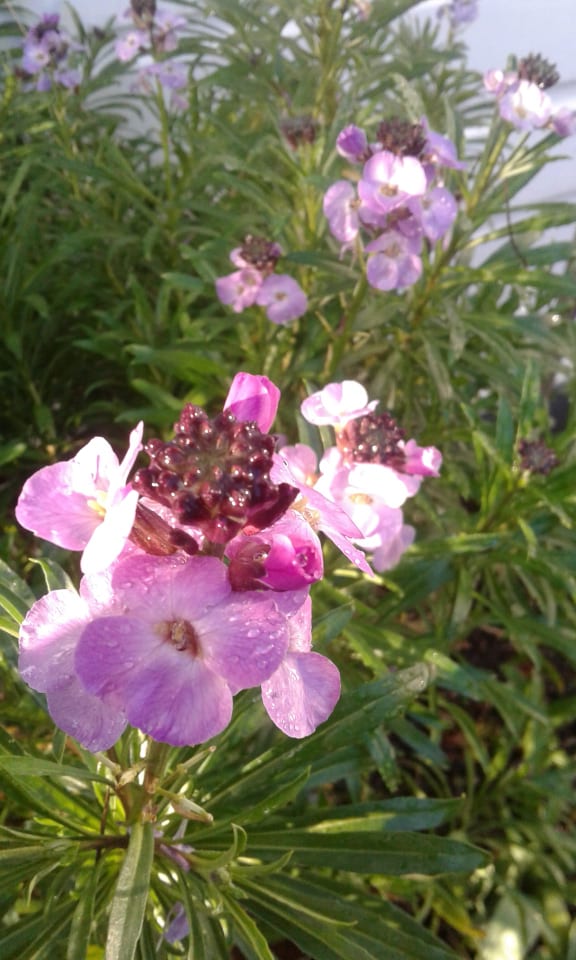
253	397
337	404
84	503
323	515
526	106
436	212
389	180
440	150
183	644
283	298
340	207
394	262
239	289
563	122
305	688
421	461
131	44
49	636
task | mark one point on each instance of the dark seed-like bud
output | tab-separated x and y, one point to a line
536	457
299	131
402	137
215	476
260	253
374	438
536	69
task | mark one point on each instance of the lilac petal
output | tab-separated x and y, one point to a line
422	461
96	724
134	448
48	638
300	626
245	640
253	398
337	404
302	693
388	554
176	706
302	461
324	515
340	209
54	505
110	649
147	584
383	483
108	539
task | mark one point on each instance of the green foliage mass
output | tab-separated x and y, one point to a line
432	815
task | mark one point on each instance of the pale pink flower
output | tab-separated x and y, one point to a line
283	298
239	289
337	404
526	106
84	503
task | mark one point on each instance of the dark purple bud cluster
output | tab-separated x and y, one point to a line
401	137
299	130
143	12
374	438
536	69
214	475
260	253
536	457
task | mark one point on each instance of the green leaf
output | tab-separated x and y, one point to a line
370	852
251	941
31	767
56	578
131	894
79	937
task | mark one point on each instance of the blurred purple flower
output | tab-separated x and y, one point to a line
340	207
283	298
337	403
393	262
526	106
389	180
352	144
239	289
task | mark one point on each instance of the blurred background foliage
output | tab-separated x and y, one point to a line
116	216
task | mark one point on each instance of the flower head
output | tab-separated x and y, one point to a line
84	503
337	404
182	645
283	298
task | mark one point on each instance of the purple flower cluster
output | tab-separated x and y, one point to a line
399	200
255	283
369	473
155	32
196	581
522	97
460	12
46	55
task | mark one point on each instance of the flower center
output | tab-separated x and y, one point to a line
182	635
